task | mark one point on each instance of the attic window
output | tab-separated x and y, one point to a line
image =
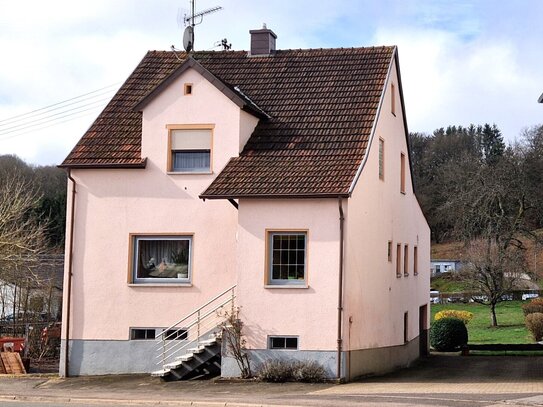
190	150
188	88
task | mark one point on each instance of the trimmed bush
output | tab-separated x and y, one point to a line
464	316
279	371
534	323
448	334
536	305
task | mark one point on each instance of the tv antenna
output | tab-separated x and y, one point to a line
188	35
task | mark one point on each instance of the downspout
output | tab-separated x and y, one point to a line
340	290
70	267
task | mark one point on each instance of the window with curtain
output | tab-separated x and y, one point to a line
190	150
158	259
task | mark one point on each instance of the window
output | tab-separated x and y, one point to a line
393	99
406	260
438	268
405	327
161	259
415	261
287	257
190	150
398	260
188	88
381	158
142	333
283	342
176	334
402	173
389	250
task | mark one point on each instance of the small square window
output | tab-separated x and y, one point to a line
142	333
161	259
283	342
188	88
287	257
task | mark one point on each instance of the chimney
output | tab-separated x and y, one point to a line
262	42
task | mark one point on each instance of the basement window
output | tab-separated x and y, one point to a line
176	334
142	334
283	342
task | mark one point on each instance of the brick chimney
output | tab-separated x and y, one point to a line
262	42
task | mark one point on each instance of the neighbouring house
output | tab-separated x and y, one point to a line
33	294
438	266
274	181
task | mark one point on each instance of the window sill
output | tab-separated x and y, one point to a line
402	192
159	284
189	173
287	286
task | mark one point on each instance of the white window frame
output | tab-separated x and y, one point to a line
285	282
271	337
171	150
136	238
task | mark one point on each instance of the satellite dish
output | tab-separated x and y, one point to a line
188	39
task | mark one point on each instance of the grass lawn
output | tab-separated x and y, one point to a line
511	327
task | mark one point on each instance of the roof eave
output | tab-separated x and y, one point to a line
277	196
140	165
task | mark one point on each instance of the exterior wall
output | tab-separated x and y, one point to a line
375	299
111	204
309	313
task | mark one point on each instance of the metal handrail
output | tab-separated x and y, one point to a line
201	324
196	311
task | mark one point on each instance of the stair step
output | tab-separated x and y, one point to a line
209	342
161	373
173	365
199	349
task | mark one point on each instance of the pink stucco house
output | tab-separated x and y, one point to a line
276	181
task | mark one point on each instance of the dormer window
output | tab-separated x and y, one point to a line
190	150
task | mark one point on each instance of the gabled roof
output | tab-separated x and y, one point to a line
317	110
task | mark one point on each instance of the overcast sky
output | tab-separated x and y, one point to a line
461	61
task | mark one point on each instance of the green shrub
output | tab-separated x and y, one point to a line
534	323
279	371
448	334
536	305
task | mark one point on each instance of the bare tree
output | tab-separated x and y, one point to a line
490	202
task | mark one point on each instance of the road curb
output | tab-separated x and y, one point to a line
90	400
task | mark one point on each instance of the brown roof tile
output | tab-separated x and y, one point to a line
321	103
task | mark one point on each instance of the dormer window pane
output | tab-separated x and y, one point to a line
190	150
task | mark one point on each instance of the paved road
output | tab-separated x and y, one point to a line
437	381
